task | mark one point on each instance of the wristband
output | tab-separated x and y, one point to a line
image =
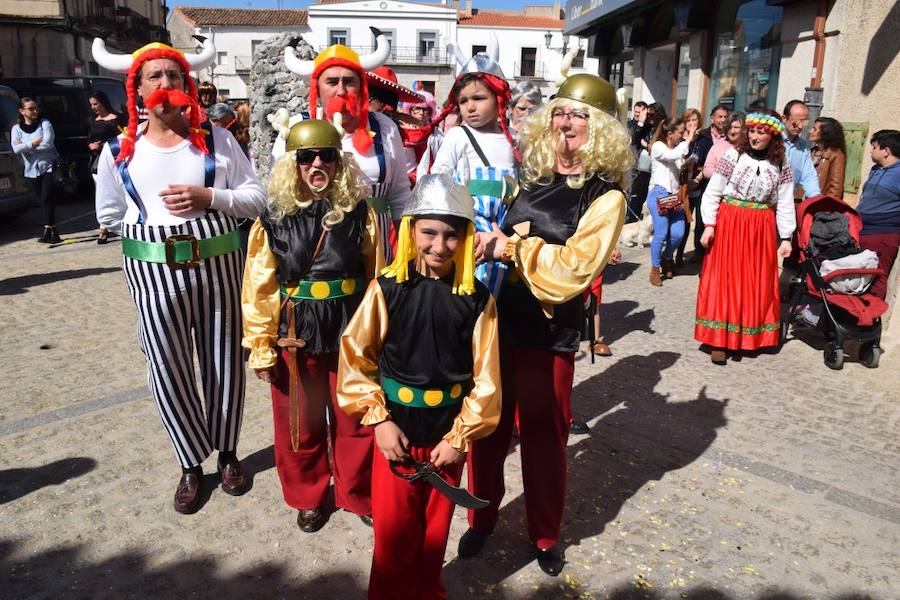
712	226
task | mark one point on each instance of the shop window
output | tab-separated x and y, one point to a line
684	74
578	61
478	48
747	55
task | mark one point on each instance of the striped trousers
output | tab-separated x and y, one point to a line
180	310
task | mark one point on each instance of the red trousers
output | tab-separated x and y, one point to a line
538	383
412	522
885	245
304	474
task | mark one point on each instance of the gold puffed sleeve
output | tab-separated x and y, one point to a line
372	252
480	410
359	392
260	300
555	274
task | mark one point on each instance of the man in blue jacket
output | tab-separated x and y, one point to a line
879	205
806	181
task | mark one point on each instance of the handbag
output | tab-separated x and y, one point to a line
666	205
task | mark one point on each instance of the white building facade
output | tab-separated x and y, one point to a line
531	41
236	33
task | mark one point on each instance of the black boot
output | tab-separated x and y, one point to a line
550	561
471	543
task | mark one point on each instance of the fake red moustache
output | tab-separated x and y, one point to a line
347	104
171	97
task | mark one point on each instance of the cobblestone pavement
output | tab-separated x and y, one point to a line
773	477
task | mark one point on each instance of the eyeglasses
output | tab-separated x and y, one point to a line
576	116
308	157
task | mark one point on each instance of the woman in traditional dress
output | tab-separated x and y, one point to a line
747	208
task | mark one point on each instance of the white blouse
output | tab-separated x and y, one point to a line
746	178
665	165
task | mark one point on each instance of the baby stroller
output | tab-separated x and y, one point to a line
812	300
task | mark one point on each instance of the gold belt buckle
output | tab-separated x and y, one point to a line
170	251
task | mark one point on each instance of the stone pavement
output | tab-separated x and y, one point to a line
773	477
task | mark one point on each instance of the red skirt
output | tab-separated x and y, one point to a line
738	306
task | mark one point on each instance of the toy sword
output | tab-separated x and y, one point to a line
426	472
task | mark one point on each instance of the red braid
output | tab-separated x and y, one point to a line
362	139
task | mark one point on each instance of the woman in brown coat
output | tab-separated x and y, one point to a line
829	155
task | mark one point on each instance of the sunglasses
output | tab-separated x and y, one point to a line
308	157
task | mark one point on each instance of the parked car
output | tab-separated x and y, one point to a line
64	101
15	196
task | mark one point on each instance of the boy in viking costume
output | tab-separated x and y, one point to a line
309	260
177	190
338	82
558	236
419	365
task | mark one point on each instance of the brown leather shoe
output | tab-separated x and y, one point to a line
310	520
718	357
187	494
655	277
234	482
601	349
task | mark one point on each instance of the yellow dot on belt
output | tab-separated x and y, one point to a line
319	290
434	397
348	286
455	391
405	394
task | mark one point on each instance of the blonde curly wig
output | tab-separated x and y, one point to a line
344	192
607	152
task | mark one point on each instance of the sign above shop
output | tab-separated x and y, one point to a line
580	14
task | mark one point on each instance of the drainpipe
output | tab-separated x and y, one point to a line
814	93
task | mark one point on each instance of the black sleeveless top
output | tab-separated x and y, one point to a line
293	240
554	211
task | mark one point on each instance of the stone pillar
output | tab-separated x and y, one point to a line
272	87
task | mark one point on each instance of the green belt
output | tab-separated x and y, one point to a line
324	290
181	251
741	203
407	395
485	187
379	204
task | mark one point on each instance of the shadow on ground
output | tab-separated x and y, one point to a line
64	572
20	285
643	439
618	319
15	483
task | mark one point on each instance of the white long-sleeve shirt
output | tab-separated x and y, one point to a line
665	165
395	188
236	190
457	155
746	178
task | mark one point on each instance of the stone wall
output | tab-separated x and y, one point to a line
272	87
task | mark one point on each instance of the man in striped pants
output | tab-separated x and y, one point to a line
176	189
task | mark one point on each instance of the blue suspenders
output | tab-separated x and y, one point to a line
379	147
209	169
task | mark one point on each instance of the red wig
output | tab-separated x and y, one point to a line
362	139
196	133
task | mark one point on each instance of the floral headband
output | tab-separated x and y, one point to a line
767	123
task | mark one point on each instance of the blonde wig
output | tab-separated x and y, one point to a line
286	187
607	152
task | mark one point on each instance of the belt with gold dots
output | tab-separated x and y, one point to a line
323	290
409	395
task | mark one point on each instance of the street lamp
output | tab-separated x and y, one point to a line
548	39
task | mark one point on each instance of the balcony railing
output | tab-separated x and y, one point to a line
530	70
408	55
243	64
